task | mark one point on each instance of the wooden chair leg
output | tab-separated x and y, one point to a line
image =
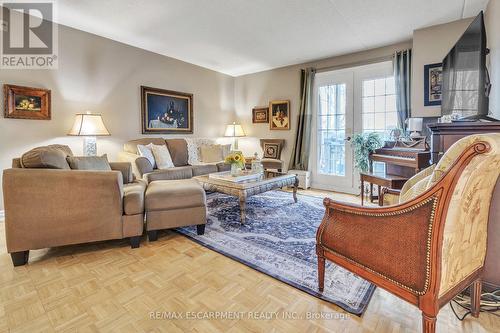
428	323
321	273
476	298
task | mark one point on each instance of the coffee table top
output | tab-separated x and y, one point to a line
267	178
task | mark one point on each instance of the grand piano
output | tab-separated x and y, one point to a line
402	161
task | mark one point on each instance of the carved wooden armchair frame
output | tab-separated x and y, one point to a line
419	285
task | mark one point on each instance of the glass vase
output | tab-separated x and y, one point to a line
235	169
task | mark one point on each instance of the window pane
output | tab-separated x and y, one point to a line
368	104
380	121
391	120
368	121
380	87
368	88
379	103
331	129
390	86
390	102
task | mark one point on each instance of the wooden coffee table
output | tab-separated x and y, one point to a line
270	180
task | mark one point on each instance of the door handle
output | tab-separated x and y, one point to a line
347	139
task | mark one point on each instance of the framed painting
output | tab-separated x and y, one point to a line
433	83
166	111
26	102
279	118
260	115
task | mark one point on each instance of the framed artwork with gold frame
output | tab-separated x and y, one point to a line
260	115
166	111
279	115
26	102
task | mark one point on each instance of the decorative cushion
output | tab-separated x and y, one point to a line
272	150
193	147
425	173
211	153
147	152
162	157
178	151
414	191
96	163
47	157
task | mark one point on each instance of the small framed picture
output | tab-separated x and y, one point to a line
433	83
279	118
260	115
26	102
166	111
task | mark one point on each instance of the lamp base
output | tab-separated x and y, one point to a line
90	146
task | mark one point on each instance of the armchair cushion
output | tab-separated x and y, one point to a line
125	168
133	198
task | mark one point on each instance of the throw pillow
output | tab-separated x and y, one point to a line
96	163
146	151
47	157
211	153
162	157
272	150
226	150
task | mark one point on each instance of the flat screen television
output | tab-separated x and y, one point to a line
465	76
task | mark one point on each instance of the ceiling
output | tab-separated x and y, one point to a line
239	37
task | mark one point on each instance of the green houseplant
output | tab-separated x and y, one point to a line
363	144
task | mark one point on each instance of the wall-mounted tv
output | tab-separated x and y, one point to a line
465	76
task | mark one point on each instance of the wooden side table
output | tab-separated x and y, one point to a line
381	180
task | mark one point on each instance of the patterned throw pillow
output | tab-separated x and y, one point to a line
272	150
162	157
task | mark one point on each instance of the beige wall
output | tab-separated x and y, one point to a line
431	45
284	83
493	33
104	76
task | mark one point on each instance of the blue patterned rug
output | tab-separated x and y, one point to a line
278	239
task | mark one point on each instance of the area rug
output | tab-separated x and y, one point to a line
278	239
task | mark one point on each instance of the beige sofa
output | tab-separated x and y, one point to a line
178	149
54	207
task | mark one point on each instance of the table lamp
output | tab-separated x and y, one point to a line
415	127
89	126
234	131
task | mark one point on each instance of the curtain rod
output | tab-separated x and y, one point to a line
355	64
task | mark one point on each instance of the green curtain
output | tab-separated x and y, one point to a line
402	77
300	153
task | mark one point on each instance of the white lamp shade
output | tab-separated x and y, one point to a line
87	124
415	124
234	130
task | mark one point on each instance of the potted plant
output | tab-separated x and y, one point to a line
237	162
363	144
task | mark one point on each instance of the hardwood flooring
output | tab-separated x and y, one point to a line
108	286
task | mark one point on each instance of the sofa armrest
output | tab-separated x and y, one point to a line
140	165
47	207
126	170
176	173
393	242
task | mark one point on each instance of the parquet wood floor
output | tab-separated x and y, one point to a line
108	286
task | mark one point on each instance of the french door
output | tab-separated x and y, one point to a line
342	107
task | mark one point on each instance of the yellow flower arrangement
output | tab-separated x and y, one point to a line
235	158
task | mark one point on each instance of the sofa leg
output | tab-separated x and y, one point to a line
200	229
476	298
428	323
135	242
20	258
321	273
152	235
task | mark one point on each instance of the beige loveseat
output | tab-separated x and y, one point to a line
59	206
185	166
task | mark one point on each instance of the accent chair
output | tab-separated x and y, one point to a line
432	244
272	153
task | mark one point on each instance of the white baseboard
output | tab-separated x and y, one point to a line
2	215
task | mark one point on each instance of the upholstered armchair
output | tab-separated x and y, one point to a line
272	153
432	244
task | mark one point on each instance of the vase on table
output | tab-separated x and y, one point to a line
235	169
